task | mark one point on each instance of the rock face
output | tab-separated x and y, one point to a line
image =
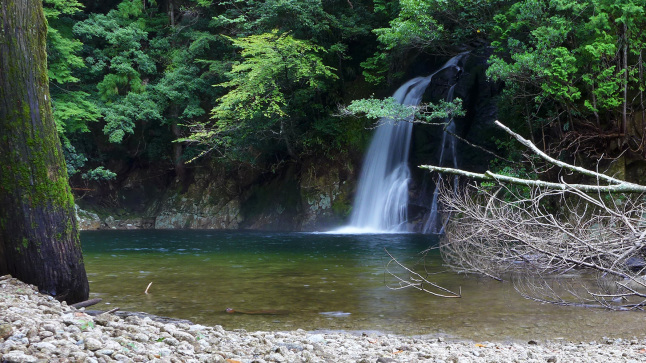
87	220
478	97
309	196
37	328
208	203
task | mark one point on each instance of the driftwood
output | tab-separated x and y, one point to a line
110	311
615	185
146	292
86	303
544	230
257	312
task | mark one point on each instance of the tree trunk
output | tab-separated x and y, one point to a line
39	241
624	107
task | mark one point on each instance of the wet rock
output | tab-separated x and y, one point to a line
87	221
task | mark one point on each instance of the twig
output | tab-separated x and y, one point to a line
110	311
417	281
146	292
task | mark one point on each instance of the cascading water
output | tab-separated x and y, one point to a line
381	202
447	149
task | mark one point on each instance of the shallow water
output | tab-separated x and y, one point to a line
320	282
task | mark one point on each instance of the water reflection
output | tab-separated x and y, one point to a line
324	281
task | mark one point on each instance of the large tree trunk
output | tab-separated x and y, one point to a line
39	241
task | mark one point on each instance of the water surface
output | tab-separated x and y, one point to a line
321	282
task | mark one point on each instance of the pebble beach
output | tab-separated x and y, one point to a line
37	328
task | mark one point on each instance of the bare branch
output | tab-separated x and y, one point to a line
417	281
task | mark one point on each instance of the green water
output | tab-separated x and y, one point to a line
320	282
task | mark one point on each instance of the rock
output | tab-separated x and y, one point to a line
5	330
44	346
36	336
316	338
110	222
17	356
87	221
105	351
93	344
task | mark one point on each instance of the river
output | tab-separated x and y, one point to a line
319	281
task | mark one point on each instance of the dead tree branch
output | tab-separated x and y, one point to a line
543	230
416	281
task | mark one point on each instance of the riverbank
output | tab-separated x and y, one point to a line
35	327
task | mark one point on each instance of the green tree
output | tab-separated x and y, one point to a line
269	93
571	69
566	63
39	242
120	65
434	26
73	109
145	62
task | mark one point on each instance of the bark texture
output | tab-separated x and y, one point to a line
39	241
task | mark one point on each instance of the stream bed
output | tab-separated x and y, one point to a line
320	281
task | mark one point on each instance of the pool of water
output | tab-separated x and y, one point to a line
320	282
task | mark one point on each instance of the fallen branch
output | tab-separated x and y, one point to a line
549	229
110	311
617	185
86	303
417	281
624	187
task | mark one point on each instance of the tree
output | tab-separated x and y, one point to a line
39	241
269	94
575	67
432	26
146	72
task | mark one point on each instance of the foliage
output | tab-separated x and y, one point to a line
570	61
72	107
389	108
98	174
267	92
134	80
375	109
436	25
120	64
140	72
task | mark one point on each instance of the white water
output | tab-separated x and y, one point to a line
447	150
381	202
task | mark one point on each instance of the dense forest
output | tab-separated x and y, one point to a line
252	89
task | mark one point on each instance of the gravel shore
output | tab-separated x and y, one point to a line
37	328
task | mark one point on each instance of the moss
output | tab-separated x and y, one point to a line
34	177
341	206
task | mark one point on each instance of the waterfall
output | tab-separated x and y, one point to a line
381	202
447	149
